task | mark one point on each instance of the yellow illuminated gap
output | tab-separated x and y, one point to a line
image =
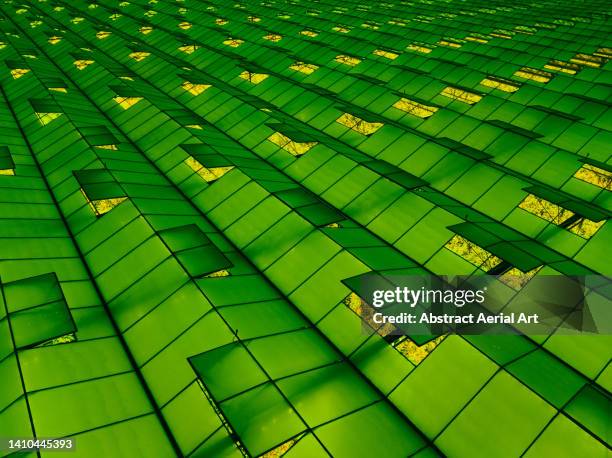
516	278
185	25
347	60
365	25
59	89
220	21
254	78
358	124
102	34
501	84
557	215
218	273
81	64
472	253
145	29
102	206
450	44
21	10
2	45
399	22
476	39
107	147
194	89
279	451
254	19
303	67
564	67
586	228
194	126
544	209
274	37
58	8
294	148
354	302
595	176
588	60
385	54
461	95
149	13
233	42
415	108
46	118
139	55
341	29
17	73
77	20
189	49
209	174
127	102
419	48
309	33
534	74
604	52
284	16
7	171
54	40
415	353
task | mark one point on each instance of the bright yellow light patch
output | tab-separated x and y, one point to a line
46	118
588	60
534	74
419	48
450	44
347	60
219	273
127	102
107	147
564	67
546	210
102	206
365	25
139	55
341	29
303	67
254	19
189	49
595	176
54	40
274	37
145	29
295	148
233	42
501	84
220	21
81	64
472	253
209	174
185	25
254	78
102	34
309	33
461	95
77	20
59	89
385	54
194	89
7	171
415	108
417	353
516	278
17	73
358	124
476	39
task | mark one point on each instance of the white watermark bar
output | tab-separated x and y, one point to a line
484	304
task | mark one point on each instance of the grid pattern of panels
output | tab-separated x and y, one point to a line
186	186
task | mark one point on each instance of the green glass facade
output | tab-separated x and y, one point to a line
185	185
